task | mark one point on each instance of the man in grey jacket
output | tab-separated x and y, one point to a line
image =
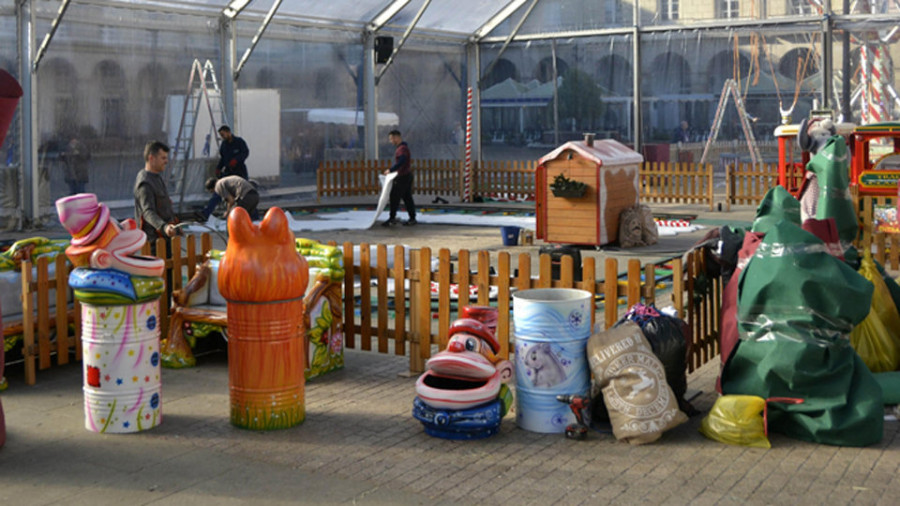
153	209
236	192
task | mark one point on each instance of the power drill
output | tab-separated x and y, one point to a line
580	406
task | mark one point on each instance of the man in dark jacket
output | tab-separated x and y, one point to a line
402	188
233	152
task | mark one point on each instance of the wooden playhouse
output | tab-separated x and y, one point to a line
609	171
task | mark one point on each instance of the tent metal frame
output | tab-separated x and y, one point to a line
30	58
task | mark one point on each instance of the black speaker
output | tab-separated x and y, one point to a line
384	46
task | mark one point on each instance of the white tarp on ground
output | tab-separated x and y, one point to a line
362	220
348	117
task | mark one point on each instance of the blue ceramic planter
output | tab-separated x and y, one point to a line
474	423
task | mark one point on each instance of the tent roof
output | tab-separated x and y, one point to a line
460	18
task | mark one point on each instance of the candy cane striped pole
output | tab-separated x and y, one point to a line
863	77
878	83
467	175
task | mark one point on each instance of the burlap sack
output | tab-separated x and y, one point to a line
637	227
641	404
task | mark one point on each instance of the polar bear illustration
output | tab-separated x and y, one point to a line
544	366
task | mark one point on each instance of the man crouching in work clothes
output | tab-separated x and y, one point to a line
236	192
402	188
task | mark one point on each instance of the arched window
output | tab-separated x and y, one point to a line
503	70
544	70
110	80
721	67
669	74
58	85
614	75
798	63
152	90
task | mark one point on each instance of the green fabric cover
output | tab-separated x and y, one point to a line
842	402
777	204
890	387
796	306
831	167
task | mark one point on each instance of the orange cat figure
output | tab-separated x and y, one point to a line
263	278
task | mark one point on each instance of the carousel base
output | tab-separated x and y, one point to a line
474	423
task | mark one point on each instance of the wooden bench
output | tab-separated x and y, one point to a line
199	302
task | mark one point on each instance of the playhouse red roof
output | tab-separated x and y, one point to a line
603	152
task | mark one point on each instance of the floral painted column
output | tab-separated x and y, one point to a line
119	293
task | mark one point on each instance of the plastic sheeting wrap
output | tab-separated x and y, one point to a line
793	288
830	167
796	305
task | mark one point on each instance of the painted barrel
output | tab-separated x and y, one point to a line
266	360
121	364
552	326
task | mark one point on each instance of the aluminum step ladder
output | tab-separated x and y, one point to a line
202	90
731	88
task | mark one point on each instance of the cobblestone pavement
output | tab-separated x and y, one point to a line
359	444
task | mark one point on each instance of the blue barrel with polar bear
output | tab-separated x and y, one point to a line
552	327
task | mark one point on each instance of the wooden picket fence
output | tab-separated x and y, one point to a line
415	328
747	184
418	329
659	182
503	180
41	322
178	265
677	183
509	180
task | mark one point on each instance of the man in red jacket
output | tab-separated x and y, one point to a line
402	188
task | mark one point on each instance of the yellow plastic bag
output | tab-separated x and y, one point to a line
737	420
875	339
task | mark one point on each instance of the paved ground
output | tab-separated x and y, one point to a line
359	444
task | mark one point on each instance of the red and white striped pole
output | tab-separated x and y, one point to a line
467	174
866	114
